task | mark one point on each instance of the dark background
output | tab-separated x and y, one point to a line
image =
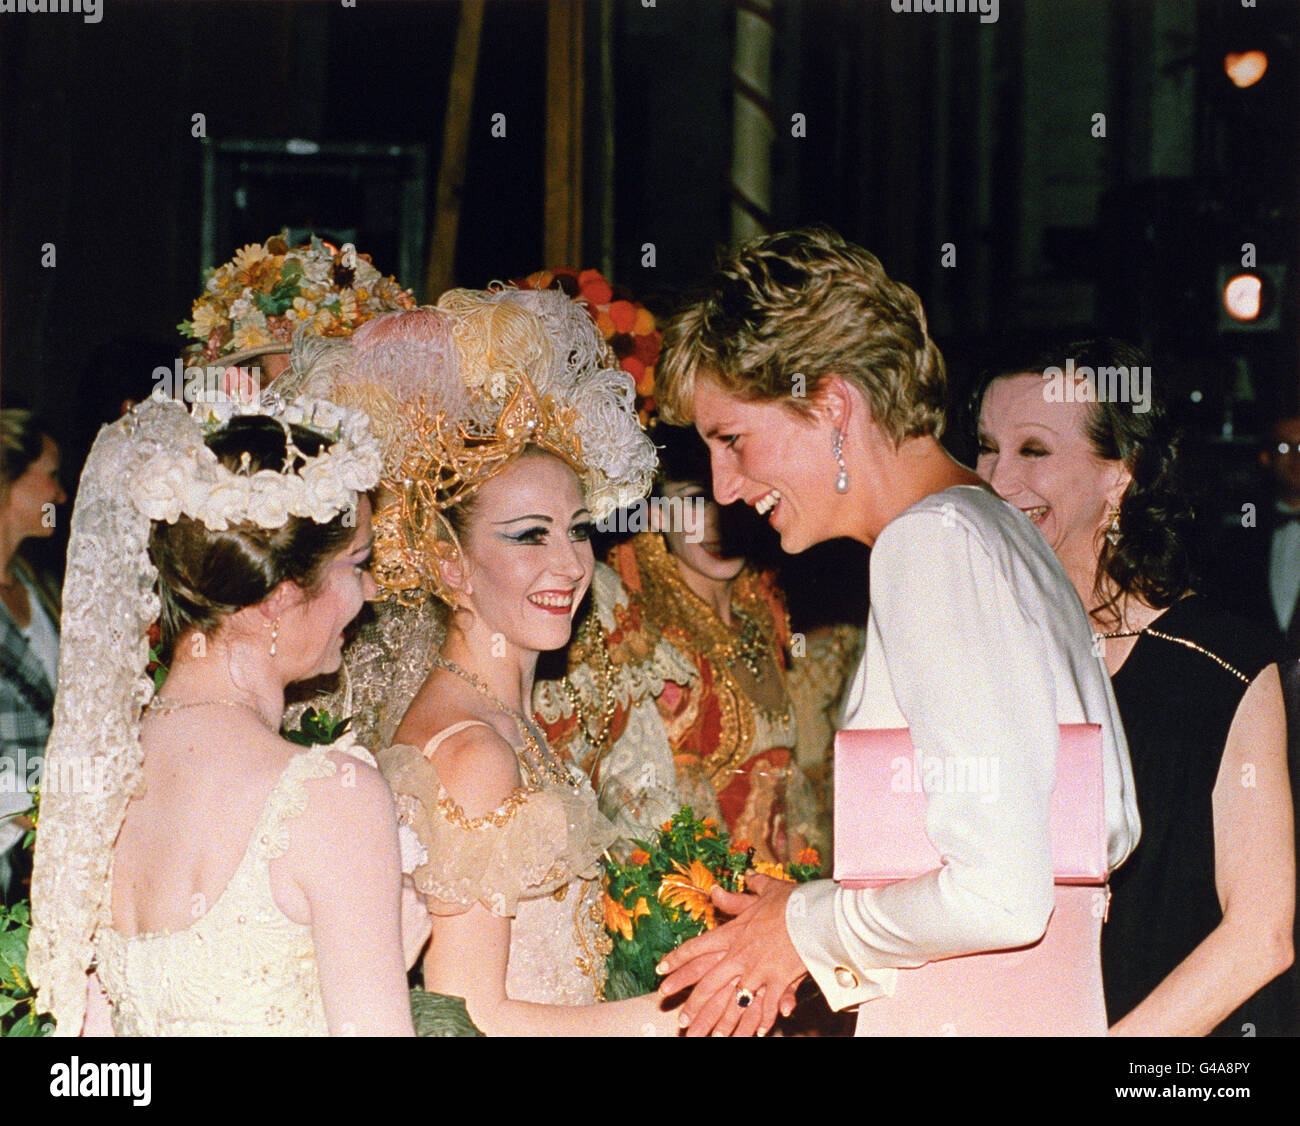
922	129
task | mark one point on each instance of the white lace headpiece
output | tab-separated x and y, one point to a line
93	758
194	483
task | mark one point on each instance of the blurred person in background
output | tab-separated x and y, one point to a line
29	629
1258	560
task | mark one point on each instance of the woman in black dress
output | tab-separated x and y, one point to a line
1202	913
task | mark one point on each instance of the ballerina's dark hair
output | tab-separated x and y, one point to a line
1152	558
205	576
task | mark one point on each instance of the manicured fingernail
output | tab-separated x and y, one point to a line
683	1021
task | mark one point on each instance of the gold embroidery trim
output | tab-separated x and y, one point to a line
497	819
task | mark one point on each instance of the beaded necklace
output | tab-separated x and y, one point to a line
539	762
1148	631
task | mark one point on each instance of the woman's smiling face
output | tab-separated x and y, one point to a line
1037	456
768	456
527	552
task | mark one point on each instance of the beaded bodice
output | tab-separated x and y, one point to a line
243	968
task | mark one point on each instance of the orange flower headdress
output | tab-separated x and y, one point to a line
626	325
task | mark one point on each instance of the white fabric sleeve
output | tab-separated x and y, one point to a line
970	676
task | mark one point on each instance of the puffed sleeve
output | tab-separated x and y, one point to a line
537	840
969	673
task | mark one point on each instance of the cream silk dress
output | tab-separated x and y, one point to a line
535	859
976	642
243	968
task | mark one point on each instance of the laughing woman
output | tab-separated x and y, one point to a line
504	443
1202	913
812	377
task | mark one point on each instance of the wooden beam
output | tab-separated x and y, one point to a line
562	238
440	273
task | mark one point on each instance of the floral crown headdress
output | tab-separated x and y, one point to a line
252	304
492	372
193	482
153	464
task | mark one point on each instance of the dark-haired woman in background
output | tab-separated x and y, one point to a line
29	626
1201	916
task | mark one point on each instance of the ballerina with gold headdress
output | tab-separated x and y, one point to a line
507	431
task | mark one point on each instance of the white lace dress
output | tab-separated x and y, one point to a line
243	968
535	859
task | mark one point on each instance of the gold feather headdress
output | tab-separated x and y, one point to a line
456	392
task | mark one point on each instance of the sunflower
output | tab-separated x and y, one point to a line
689	890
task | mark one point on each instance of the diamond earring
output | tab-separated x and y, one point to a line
837	448
1112	531
275	634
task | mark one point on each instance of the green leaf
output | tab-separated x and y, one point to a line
315	728
274	303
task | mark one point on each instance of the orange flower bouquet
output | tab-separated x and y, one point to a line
659	897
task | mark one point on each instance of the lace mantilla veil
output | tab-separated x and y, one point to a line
93	758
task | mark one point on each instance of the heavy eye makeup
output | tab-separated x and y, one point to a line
535	534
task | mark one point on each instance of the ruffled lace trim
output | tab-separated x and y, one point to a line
288	800
539	839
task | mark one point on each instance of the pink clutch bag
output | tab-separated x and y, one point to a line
880	806
1050	988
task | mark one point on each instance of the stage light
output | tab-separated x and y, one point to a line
1245	68
1250	300
1242	297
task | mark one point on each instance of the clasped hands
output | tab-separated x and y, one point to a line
744	972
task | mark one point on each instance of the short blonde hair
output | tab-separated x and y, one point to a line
807	303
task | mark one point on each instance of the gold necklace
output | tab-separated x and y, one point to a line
1149	632
168	706
538	762
592	645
